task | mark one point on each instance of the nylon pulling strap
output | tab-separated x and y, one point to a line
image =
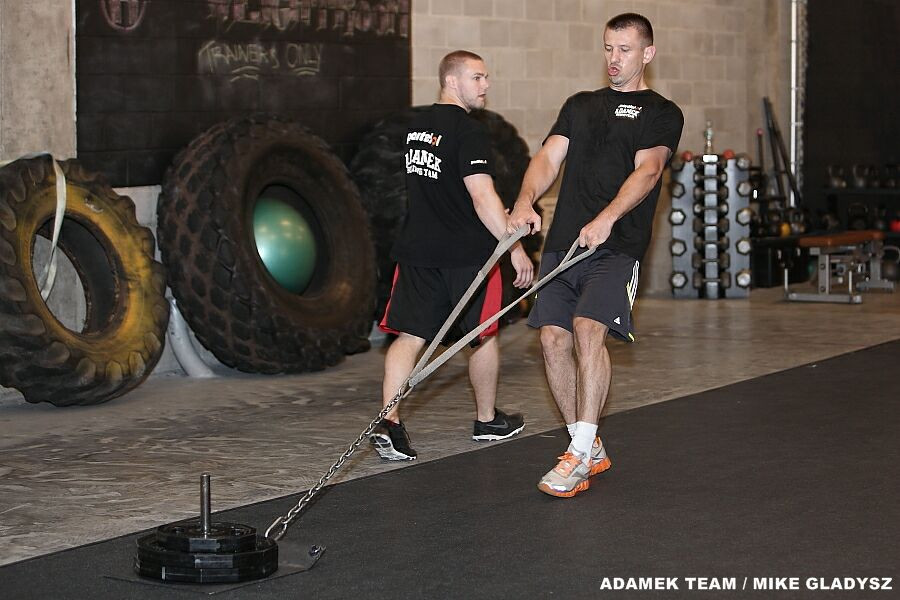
423	368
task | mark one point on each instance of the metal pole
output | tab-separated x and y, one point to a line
205	503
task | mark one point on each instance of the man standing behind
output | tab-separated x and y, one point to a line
616	142
452	225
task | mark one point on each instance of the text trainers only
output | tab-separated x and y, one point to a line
570	476
502	427
599	460
391	441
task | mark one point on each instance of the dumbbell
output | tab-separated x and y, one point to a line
721	193
677	216
721	208
724	280
721	243
678	279
677	247
676	189
744	216
720	176
722	225
724	260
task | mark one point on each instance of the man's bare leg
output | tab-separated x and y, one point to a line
484	369
559	361
594	374
594	368
398	364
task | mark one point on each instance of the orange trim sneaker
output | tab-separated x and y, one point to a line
599	460
567	478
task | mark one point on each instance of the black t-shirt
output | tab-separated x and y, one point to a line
605	129
443	145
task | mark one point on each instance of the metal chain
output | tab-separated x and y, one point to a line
285	520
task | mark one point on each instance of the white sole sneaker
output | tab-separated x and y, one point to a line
491	437
385	448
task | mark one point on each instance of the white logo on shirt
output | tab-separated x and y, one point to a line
423	162
480	161
424	136
628	111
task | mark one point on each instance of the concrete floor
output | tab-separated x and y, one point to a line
73	476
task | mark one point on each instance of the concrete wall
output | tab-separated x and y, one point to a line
715	58
37	70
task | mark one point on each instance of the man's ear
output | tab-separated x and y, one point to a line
649	53
451	82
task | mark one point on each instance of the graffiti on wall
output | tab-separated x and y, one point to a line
153	74
348	17
124	15
250	60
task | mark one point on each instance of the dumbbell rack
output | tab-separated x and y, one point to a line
711	250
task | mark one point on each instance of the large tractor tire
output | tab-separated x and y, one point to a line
126	310
268	247
379	172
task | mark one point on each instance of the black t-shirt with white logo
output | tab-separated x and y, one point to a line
605	129
443	145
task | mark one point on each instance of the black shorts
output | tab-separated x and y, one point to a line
601	288
423	297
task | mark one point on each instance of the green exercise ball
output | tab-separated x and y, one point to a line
285	243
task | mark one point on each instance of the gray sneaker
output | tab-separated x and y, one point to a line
599	460
570	476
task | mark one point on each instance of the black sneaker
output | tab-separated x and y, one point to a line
503	426
391	441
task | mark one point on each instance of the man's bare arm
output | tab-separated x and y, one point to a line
488	205
542	172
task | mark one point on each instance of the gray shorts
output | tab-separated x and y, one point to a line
602	288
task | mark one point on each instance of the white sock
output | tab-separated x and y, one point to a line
584	438
571	428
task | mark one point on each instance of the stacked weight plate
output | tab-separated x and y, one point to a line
225	553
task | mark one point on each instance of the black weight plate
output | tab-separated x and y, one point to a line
188	575
187	536
151	552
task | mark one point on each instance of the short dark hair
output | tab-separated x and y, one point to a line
454	61
639	22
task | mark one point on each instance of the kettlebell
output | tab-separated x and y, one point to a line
836	177
830	222
890	176
873	180
858	215
797	221
860	175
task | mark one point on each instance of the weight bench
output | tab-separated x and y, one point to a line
851	254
